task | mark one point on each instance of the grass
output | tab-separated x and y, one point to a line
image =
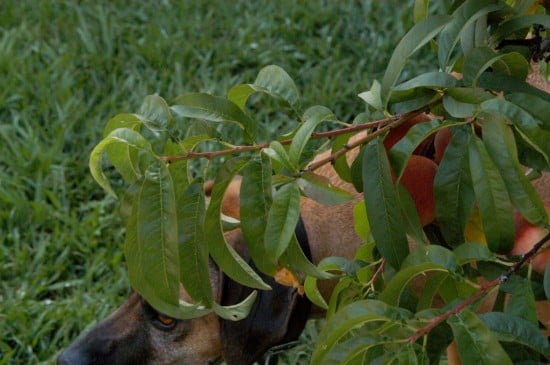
66	67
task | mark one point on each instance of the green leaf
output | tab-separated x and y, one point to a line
395	287
508	328
431	80
193	250
350	318
457	109
480	59
420	10
295	259
373	97
313	294
499	141
224	254
430	289
156	113
320	189
526	124
404	148
213	109
411	220
362	227
255	202
383	211
469	95
341	164
238	311
151	245
510	84
125	162
277	152
521	302
454	195
547	281
518	23
476	343
472	252
465	15
312	118
124	120
418	36
494	204
432	254
282	219
271	80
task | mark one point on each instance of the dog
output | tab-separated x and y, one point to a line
138	334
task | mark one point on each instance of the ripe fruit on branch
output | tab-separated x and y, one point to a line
418	179
395	134
527	235
441	140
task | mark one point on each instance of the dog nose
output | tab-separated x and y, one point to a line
69	357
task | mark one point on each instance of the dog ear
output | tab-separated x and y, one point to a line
278	316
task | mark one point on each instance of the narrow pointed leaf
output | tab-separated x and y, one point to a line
320	189
282	219
295	259
493	200
454	195
157	112
373	97
151	245
238	311
341	164
508	328
278	153
193	248
465	15
499	141
213	109
476	343
418	36
312	118
431	80
404	148
349	318
383	211
125	162
255	201
271	80
223	254
393	290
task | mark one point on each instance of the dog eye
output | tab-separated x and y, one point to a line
165	321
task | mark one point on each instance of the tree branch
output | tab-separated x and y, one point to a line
482	291
384	124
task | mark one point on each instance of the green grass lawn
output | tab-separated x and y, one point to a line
66	67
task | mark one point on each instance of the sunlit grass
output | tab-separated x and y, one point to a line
66	67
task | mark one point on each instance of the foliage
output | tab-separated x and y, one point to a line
151	151
68	66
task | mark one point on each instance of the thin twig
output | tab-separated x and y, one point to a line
387	123
482	291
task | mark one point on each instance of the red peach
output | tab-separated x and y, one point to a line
527	235
418	179
395	134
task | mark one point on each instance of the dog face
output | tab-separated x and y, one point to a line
138	334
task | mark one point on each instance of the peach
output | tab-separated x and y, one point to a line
527	235
418	179
395	134
441	140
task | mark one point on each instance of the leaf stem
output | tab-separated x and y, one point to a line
481	292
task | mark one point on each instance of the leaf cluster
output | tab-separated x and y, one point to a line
498	124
